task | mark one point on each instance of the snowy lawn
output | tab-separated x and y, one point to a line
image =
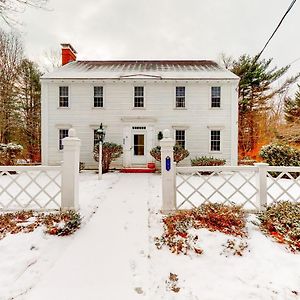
114	255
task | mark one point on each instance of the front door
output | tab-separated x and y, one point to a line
138	148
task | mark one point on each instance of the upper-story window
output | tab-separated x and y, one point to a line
62	134
215	140
215	96
98	96
180	96
180	138
63	96
138	96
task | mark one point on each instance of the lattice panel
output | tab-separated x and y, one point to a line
37	189
283	186
236	187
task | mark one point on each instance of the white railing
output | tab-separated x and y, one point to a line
35	187
197	185
43	187
252	187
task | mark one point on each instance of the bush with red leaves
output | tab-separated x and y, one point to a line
215	217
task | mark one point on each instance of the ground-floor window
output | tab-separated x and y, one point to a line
62	134
215	140
180	138
96	138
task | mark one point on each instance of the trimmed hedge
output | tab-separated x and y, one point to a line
179	153
280	155
207	161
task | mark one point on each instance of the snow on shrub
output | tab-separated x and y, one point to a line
179	153
215	217
62	223
281	221
9	153
110	152
207	161
280	155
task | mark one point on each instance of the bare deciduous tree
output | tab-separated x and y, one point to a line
11	55
8	8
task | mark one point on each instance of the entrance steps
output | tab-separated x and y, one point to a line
137	169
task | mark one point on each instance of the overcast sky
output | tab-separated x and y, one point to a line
164	29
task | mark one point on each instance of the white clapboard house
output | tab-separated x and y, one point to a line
135	100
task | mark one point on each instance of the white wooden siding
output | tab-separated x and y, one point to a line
118	98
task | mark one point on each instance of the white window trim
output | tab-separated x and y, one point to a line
210	129
69	97
185	128
185	97
133	97
92	96
61	127
210	97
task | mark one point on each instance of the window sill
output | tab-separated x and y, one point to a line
215	152
98	108
216	108
63	107
139	108
180	108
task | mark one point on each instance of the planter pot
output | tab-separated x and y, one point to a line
151	165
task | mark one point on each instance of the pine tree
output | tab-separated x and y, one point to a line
255	92
29	97
292	108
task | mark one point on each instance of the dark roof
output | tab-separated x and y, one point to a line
154	65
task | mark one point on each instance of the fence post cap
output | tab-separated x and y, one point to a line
166	133
72	132
260	164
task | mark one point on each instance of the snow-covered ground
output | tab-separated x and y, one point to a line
113	255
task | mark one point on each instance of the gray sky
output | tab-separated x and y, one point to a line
164	29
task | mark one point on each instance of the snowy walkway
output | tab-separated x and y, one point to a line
108	257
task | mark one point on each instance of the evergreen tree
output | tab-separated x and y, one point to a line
255	92
292	108
30	108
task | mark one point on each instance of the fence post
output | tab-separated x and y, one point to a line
70	171
168	172
261	183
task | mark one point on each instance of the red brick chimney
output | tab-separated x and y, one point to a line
68	53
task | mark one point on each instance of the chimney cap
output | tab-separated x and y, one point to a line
68	45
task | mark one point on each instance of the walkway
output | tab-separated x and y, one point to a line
108	257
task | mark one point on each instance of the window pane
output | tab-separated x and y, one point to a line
98	96
62	134
180	96
180	138
139	144
216	96
215	140
63	96
138	96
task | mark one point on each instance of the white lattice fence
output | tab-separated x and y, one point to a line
37	188
283	183
252	187
228	185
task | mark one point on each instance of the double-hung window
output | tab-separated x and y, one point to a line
215	140
98	96
180	138
62	134
138	96
216	96
180	97
63	96
96	138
